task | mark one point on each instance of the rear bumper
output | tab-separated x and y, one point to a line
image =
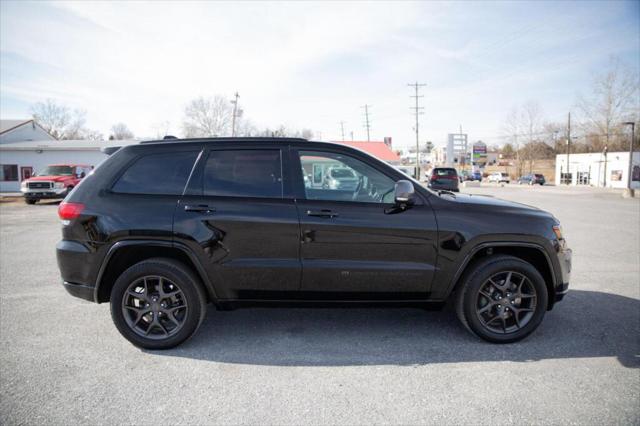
453	186
76	264
79	290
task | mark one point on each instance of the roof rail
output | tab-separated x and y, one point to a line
172	139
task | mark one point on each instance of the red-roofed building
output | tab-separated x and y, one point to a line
378	149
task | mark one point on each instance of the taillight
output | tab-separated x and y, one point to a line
68	211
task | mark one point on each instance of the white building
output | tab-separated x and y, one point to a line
597	169
22	130
457	149
20	160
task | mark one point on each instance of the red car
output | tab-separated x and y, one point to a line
53	182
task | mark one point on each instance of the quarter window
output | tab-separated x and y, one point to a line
243	173
157	174
338	177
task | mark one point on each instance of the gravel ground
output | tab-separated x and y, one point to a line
62	361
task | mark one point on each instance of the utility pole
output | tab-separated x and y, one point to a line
342	130
235	112
568	180
417	111
367	124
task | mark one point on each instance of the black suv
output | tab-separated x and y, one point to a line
162	228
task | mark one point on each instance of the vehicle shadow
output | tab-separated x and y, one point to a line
585	324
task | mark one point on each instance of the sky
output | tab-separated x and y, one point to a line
312	65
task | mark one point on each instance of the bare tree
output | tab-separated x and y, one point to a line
531	120
91	135
511	129
206	117
161	129
59	120
76	129
283	132
245	128
613	100
120	131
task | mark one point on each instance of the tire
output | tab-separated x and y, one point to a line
30	201
519	318
159	282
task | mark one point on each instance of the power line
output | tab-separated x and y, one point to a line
417	112
367	124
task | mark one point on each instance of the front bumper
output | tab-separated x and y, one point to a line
562	286
42	193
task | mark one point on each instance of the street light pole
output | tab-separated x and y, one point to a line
633	128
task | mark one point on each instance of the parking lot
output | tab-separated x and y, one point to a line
63	361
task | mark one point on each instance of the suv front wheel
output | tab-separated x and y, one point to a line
157	303
502	299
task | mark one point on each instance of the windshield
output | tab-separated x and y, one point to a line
342	173
56	171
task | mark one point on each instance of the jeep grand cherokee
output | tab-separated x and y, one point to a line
163	228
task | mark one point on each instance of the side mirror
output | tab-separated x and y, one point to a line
404	193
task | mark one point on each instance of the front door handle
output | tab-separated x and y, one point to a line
199	208
322	213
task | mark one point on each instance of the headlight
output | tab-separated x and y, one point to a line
23	185
58	185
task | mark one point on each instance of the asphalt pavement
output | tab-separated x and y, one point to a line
63	362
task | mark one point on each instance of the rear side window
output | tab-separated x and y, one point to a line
243	173
157	174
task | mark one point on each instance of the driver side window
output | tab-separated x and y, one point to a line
338	177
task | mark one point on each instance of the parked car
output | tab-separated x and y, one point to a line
470	176
532	179
53	182
340	178
163	228
444	178
498	177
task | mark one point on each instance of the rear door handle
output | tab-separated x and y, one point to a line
199	208
322	213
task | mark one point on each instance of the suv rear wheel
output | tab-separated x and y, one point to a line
502	299
157	303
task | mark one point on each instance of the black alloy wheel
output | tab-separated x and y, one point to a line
158	303
154	307
501	298
506	302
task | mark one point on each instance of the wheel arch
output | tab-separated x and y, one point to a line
125	254
529	252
